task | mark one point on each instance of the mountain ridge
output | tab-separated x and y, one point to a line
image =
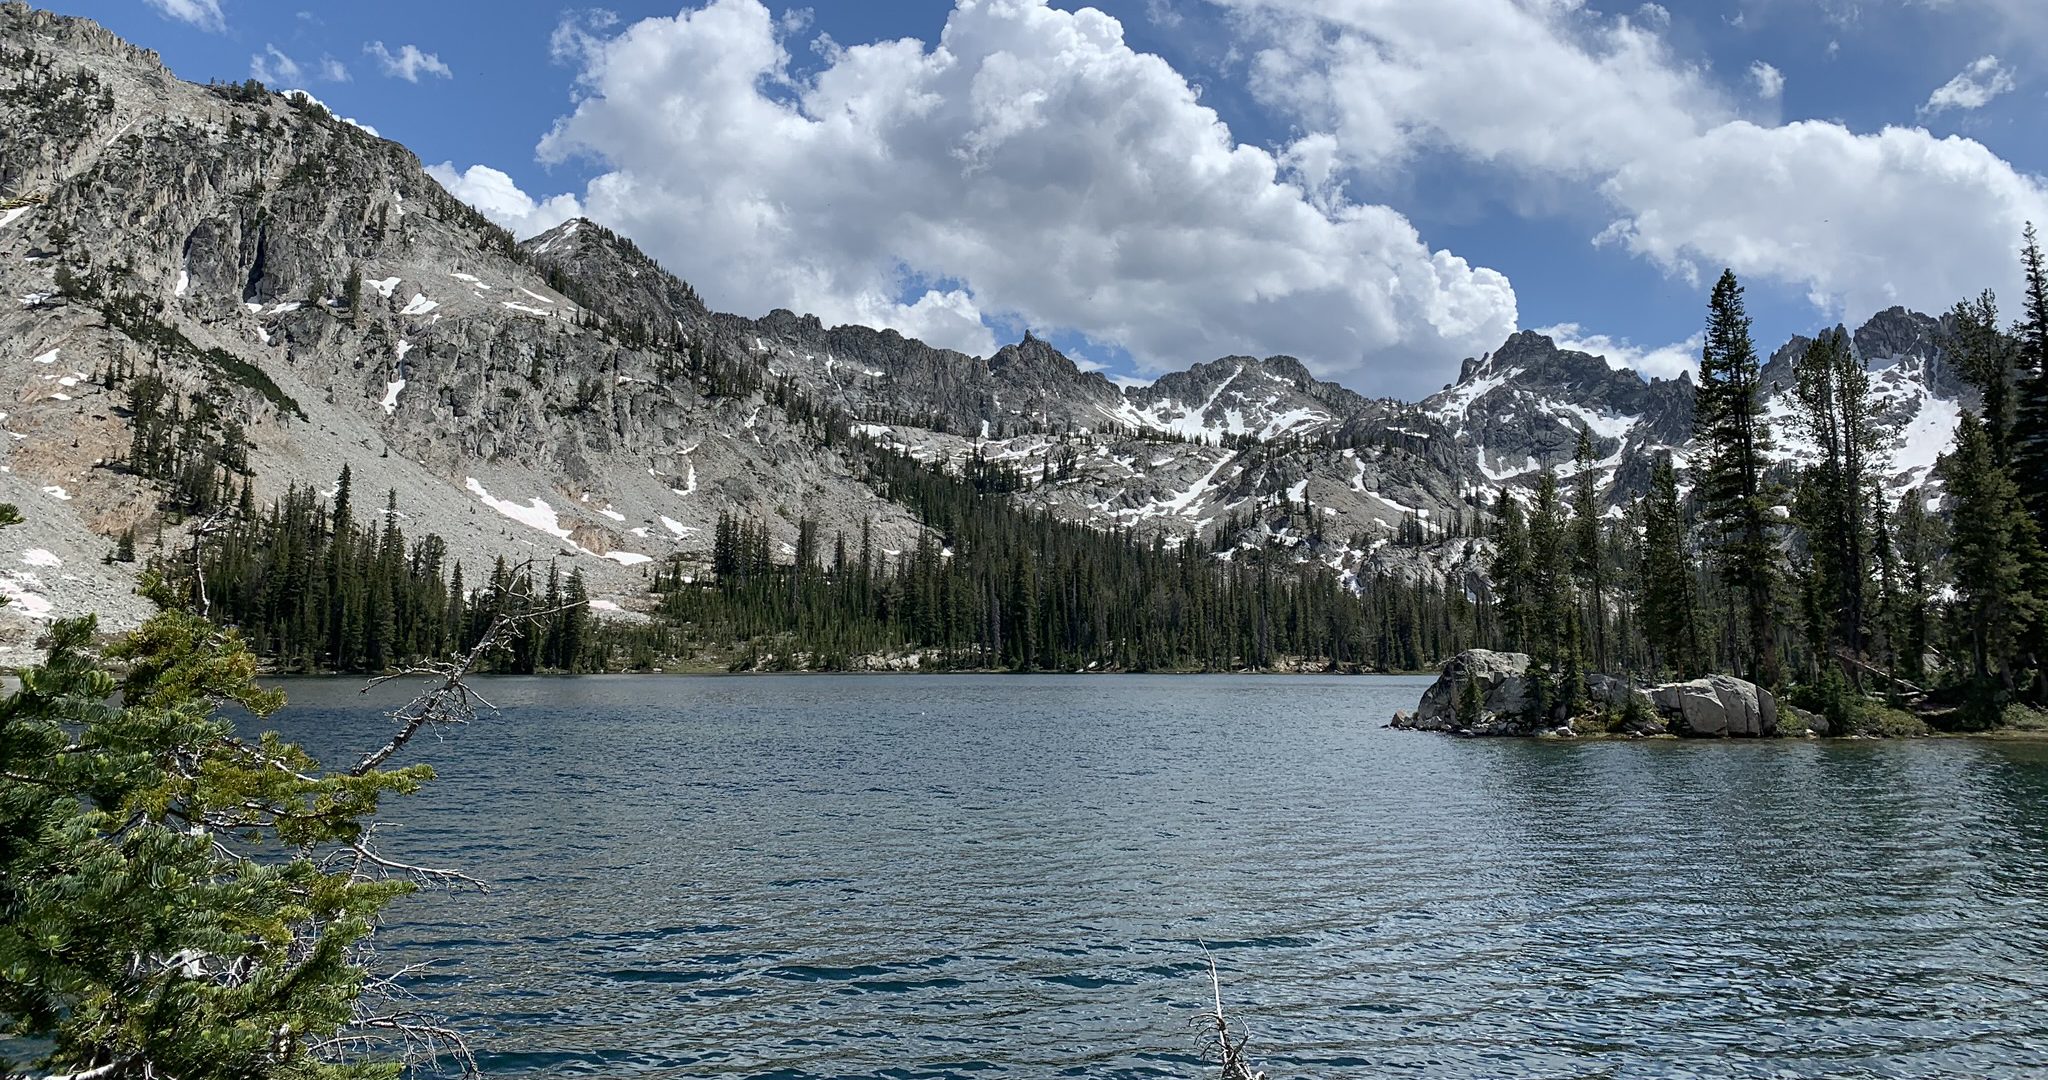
568	398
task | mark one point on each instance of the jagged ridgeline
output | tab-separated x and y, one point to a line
225	295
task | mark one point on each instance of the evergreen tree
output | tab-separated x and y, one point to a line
1512	574
1832	391
2030	435
1988	358
1919	549
1589	556
1735	500
179	901
1665	604
1554	652
1994	544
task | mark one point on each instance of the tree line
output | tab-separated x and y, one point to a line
1806	577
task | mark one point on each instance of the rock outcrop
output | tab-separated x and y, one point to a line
1717	706
1504	695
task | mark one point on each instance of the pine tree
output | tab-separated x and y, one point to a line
1832	390
1994	544
1666	606
1510	573
2030	439
2030	435
1554	651
1734	498
180	902
1988	358
1919	549
1589	559
1471	703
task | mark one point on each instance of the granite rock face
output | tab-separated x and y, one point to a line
1718	706
1503	689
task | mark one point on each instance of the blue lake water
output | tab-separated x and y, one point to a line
935	876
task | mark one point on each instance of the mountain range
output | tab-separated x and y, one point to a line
317	300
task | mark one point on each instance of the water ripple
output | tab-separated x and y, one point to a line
805	878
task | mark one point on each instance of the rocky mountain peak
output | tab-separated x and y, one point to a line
616	277
1032	357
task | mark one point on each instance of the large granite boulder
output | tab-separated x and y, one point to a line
1717	706
1504	692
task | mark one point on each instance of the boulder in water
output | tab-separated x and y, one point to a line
1503	688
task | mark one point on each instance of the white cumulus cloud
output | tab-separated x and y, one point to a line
1660	362
1030	161
408	63
1549	90
1862	222
1972	88
499	198
204	14
1768	81
273	68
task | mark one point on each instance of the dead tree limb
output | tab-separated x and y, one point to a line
1218	1041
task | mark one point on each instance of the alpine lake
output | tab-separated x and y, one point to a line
1016	876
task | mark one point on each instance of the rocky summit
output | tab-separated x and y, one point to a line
301	296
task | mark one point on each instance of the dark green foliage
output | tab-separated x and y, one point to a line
315	590
1512	572
1553	643
1989	358
1471	703
992	586
1665	582
61	104
1834	503
194	452
170	906
2030	435
137	317
1735	499
1995	544
1589	556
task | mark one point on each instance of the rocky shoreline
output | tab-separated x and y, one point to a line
1482	693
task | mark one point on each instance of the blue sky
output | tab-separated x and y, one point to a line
1605	161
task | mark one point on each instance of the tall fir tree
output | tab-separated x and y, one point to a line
1554	650
1994	544
1920	558
1589	556
1511	573
2030	434
1832	392
1989	359
1666	607
2030	439
1735	499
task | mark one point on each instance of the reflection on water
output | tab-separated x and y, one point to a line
944	876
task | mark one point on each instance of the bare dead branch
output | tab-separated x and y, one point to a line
87	1074
1219	1043
424	875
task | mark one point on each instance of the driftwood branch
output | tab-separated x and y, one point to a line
1218	1041
1871	669
450	700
